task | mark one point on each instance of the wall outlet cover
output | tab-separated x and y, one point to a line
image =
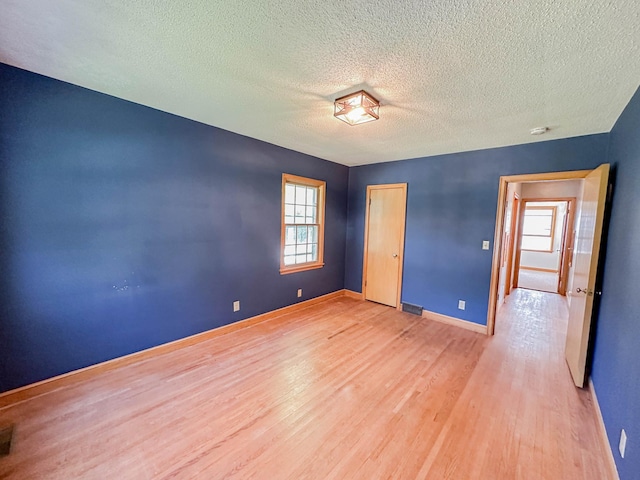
299	292
462	304
236	306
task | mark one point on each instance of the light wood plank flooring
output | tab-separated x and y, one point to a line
535	280
342	390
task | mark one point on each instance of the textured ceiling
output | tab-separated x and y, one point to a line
452	75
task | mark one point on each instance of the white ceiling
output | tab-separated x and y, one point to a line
452	75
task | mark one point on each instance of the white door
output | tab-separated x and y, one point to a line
384	243
587	249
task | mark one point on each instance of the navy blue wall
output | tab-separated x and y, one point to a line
124	227
616	361
451	209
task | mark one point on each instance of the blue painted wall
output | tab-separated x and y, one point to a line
124	227
451	209
616	361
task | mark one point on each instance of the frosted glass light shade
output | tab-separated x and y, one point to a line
355	108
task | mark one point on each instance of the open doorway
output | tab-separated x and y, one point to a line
545	243
538	234
537	227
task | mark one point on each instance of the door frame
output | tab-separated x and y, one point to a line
514	233
565	242
568	239
370	188
499	228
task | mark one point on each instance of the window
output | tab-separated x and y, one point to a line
538	228
302	224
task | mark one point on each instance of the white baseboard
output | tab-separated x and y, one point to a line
613	470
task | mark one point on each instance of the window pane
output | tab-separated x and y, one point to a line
538	212
311	196
288	210
289	193
301	195
301	258
536	243
290	236
312	236
301	249
290	250
314	251
302	235
289	260
299	211
311	213
537	225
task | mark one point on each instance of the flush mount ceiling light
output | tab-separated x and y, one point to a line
355	108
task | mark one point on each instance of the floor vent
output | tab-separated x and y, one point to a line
5	440
409	308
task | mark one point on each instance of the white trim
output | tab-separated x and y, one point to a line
611	463
456	322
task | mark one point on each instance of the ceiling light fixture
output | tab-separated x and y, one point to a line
355	108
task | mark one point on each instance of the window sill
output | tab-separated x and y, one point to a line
300	268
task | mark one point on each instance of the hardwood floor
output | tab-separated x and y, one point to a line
345	389
535	280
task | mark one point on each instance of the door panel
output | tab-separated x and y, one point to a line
586	253
384	243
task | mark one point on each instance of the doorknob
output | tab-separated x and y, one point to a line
584	290
395	255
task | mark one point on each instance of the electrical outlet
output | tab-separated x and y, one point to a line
623	442
462	304
299	292
485	244
236	306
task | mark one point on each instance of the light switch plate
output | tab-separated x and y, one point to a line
485	244
462	304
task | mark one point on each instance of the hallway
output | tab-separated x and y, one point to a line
542	281
533	423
